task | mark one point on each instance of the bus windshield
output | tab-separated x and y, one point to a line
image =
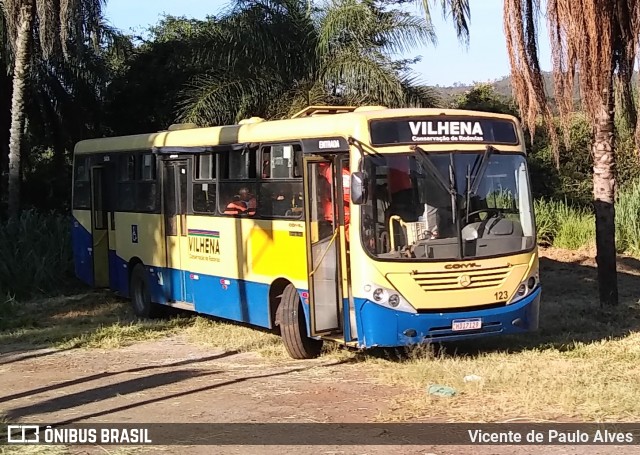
458	205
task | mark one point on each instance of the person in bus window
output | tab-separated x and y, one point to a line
249	200
325	171
236	207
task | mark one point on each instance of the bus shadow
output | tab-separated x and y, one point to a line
141	391
570	313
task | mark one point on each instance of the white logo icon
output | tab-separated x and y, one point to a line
23	434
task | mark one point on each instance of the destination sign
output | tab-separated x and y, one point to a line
325	144
443	129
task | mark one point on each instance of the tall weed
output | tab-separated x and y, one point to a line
572	227
35	254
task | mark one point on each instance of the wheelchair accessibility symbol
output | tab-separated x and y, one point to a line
134	233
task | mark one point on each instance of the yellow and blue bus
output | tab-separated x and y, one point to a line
367	226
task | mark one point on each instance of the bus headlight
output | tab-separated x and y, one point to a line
389	298
380	295
526	287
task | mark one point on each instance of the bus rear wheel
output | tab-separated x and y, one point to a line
143	307
293	327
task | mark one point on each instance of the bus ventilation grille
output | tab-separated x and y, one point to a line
450	281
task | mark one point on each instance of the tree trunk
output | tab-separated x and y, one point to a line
5	124
20	69
604	187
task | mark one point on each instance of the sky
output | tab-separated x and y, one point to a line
444	64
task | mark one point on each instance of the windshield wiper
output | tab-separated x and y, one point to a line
472	184
450	187
429	166
482	169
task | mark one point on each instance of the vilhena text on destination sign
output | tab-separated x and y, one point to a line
446	131
446	128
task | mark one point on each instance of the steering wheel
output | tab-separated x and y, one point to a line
477	212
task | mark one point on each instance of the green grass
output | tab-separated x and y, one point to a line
628	219
563	225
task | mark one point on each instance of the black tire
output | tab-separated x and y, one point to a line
140	293
293	327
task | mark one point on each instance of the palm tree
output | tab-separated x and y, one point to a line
273	57
50	26
5	94
459	11
594	44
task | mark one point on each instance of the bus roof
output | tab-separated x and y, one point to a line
257	131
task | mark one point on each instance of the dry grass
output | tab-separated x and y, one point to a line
93	320
62	450
235	337
582	365
98	320
35	450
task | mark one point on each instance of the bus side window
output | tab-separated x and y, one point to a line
126	183
147	196
280	192
237	189
204	184
137	184
81	185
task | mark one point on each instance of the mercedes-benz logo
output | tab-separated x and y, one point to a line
464	280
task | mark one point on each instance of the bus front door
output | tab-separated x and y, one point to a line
175	187
323	245
99	228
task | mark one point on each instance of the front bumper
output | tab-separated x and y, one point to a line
381	326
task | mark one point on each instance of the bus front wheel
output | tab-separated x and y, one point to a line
141	295
293	327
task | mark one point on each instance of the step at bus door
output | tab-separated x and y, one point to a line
323	246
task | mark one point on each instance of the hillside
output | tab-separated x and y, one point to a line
502	87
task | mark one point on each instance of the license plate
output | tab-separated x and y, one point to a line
458	325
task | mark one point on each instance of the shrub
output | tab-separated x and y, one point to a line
35	254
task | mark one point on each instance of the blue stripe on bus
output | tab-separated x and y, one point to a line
241	301
82	243
118	274
381	326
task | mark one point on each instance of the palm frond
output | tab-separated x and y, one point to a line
459	11
353	22
220	98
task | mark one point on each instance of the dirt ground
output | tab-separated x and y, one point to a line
170	380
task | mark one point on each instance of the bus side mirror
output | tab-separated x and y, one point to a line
359	186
